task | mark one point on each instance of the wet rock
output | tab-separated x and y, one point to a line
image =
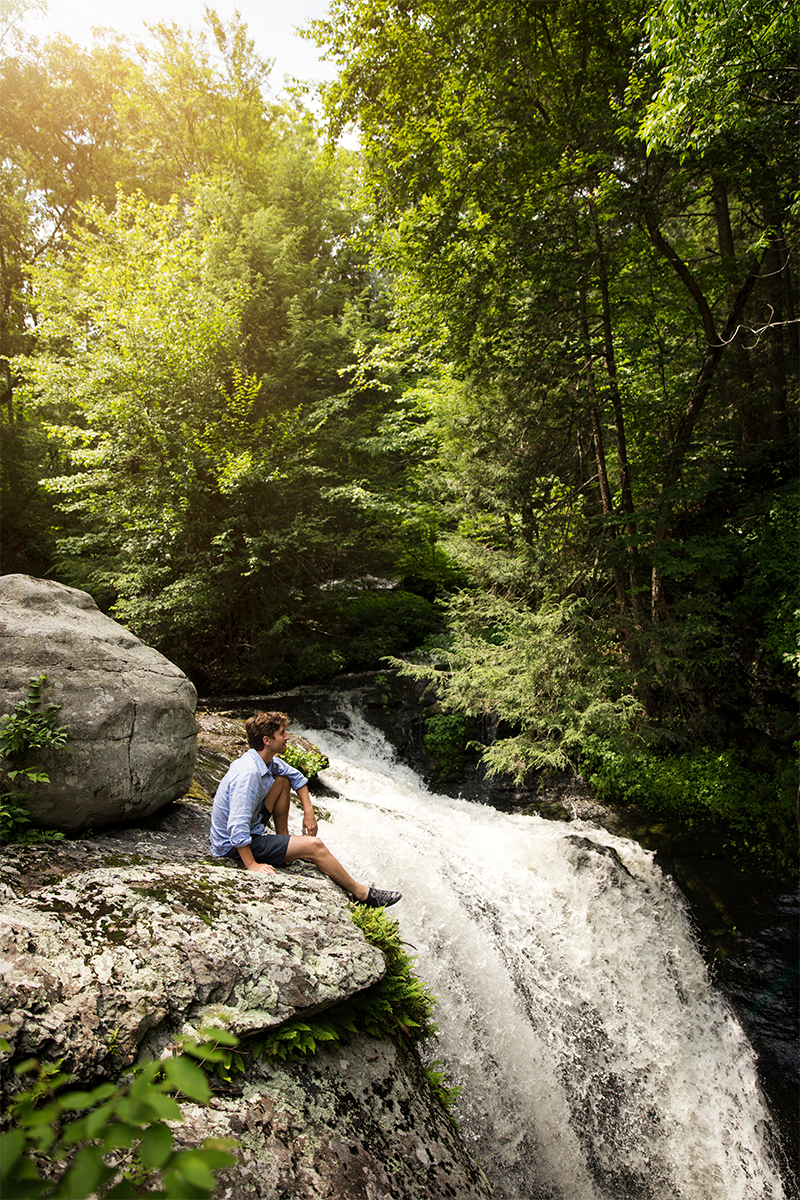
128	711
355	1122
584	852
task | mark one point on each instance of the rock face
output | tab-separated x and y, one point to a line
354	1123
138	956
129	713
114	946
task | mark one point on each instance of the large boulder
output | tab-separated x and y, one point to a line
353	1122
116	962
128	711
136	956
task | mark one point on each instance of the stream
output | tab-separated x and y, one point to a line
597	1060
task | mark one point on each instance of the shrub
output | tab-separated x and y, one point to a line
445	743
307	760
30	728
755	807
47	1152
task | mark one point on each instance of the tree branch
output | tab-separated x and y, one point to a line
682	271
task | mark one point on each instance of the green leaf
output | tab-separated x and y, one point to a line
191	1165
222	1037
12	1147
155	1147
97	1119
30	1064
84	1176
146	1109
76	1100
185	1077
177	1185
120	1135
216	1152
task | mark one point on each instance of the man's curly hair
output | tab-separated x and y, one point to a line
263	725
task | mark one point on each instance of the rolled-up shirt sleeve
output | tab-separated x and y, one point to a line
296	778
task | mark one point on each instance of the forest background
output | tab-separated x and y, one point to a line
510	395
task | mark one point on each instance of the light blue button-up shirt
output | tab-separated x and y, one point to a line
237	814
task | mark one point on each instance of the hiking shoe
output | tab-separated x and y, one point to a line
381	899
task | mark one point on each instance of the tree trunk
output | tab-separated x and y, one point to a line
716	344
597	435
744	387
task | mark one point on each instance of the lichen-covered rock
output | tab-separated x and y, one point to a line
116	944
128	711
355	1122
114	962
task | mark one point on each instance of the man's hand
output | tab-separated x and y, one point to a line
265	868
309	824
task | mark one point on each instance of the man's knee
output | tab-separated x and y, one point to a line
310	849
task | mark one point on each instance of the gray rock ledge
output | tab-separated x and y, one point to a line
114	963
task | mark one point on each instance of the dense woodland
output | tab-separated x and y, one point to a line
510	395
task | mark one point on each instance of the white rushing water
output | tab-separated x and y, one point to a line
596	1059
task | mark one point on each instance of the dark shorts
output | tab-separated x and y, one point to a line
267	848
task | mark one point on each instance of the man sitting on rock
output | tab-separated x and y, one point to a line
258	786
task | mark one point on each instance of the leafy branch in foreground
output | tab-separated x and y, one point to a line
44	1155
29	728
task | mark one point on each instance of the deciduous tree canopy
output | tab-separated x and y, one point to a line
522	373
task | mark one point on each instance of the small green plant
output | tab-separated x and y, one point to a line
398	1006
48	1153
445	743
444	1093
221	1058
29	728
308	760
384	686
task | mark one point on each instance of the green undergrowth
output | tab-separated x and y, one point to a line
309	762
25	732
445	743
398	1006
754	803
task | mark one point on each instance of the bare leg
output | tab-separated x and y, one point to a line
313	849
277	802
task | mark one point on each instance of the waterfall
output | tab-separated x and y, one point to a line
596	1059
